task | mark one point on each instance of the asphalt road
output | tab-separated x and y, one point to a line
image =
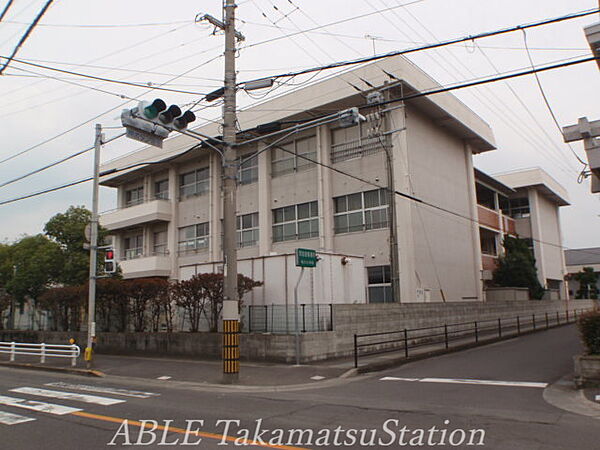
418	396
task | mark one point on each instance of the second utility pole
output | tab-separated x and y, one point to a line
231	315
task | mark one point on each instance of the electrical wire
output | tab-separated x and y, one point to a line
98	115
5	10
554	119
123	25
424	47
93	77
26	35
56	163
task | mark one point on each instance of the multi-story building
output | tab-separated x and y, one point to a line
323	188
534	206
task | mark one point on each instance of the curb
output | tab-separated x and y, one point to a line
74	371
563	395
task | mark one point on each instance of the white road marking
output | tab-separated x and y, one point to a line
317	378
49	408
105	401
164	377
13	419
471	381
103	390
398	379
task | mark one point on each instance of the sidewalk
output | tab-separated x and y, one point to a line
190	370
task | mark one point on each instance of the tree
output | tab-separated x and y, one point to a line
5	300
141	293
37	263
213	291
68	230
111	305
65	303
588	287
517	268
189	295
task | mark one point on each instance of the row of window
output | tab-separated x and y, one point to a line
294	156
355	212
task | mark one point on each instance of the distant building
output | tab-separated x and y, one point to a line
579	258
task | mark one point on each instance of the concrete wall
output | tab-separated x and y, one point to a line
348	320
501	294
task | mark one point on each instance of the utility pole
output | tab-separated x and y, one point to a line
91	329
231	315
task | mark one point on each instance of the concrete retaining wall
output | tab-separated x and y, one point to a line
348	320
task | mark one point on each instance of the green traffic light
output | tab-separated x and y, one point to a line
151	111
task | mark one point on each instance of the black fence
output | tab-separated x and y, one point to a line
281	318
444	336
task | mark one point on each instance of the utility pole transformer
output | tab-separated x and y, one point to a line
231	315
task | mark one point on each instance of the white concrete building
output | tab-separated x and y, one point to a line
534	206
168	216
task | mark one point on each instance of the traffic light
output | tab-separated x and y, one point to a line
151	123
110	265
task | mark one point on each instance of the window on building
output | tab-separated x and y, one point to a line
134	246
361	211
248	172
488	241
247	230
161	189
296	222
355	142
380	284
194	237
160	243
134	196
294	156
519	207
485	196
194	183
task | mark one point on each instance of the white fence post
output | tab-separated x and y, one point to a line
74	359
43	354
12	351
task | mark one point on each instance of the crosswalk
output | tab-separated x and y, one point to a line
24	402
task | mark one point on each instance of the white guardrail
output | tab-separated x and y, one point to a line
42	350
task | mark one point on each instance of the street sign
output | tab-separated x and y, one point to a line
143	136
306	257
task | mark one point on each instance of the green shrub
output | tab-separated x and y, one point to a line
589	329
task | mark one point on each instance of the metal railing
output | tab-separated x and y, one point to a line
42	350
280	318
467	333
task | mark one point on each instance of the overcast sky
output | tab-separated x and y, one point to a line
155	41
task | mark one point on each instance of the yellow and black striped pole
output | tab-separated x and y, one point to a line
231	347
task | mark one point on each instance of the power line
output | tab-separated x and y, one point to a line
26	35
123	25
108	80
97	116
554	119
56	163
46	191
5	10
424	47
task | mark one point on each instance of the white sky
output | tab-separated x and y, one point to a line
34	109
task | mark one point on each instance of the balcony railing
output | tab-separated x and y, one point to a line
496	220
